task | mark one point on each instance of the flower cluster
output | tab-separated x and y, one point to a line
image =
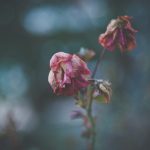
69	74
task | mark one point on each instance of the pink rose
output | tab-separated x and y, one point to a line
68	74
119	34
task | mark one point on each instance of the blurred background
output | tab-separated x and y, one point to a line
31	116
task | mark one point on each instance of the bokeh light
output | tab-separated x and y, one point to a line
31	116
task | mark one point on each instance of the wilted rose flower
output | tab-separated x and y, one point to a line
68	74
119	34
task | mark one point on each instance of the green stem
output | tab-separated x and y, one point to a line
91	119
89	107
93	136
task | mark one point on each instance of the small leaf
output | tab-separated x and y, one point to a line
80	100
101	99
86	54
76	114
103	91
80	103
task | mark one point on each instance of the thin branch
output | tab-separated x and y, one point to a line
98	62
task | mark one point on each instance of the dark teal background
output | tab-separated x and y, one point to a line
31	116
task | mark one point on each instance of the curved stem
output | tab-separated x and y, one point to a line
89	106
98	62
93	135
91	120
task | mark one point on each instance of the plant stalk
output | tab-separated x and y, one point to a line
91	120
98	62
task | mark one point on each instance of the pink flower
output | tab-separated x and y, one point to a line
119	34
68	74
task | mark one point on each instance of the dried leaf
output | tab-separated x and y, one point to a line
80	100
103	91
